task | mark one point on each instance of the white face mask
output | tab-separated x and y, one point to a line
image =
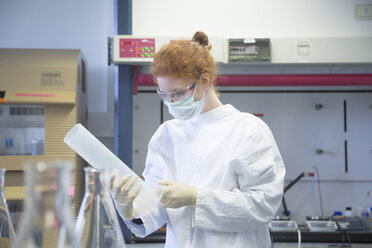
186	108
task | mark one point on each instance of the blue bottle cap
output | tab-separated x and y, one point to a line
337	213
8	142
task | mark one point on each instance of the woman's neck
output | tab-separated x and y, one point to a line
211	100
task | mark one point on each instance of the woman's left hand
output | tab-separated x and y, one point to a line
176	194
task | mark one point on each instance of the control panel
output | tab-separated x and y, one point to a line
246	50
136	48
140	50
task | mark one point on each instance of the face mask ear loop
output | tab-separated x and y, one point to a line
193	94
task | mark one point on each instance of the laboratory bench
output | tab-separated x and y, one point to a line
275	245
358	239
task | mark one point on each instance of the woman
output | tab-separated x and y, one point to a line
220	169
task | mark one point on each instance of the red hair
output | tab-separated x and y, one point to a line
186	59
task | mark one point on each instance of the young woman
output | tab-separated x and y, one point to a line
220	169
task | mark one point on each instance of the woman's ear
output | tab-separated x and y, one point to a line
205	80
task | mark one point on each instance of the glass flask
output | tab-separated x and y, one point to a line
47	219
97	224
6	227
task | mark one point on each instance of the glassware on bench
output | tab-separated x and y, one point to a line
47	220
7	234
97	223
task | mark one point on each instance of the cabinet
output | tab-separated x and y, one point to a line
146	120
359	136
309	128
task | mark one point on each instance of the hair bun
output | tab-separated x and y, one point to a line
201	38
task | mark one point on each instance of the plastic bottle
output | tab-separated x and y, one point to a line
348	212
337	215
370	218
9	148
364	215
100	157
97	224
37	147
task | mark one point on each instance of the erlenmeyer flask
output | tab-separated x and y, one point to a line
47	220
97	224
6	227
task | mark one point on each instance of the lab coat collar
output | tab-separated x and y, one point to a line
215	114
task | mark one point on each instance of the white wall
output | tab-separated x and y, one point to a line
248	18
70	24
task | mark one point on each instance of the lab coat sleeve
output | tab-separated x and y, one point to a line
259	171
153	173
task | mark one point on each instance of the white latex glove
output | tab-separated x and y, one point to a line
176	194
123	200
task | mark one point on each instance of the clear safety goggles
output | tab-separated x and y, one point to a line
177	95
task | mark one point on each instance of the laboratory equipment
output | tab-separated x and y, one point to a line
19	125
42	96
369	223
283	226
286	188
9	147
97	224
353	223
47	219
364	215
364	211
100	157
348	212
123	49
315	217
249	49
321	226
7	234
337	214
132	49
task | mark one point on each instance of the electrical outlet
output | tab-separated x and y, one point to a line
363	12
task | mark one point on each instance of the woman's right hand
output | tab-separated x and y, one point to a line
123	194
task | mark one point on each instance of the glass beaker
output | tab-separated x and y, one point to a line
97	223
6	227
47	220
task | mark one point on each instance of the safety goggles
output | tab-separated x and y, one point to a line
177	95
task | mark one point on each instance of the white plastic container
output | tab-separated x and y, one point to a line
99	156
348	212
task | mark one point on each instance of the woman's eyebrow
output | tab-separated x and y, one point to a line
176	89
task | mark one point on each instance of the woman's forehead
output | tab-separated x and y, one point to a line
169	84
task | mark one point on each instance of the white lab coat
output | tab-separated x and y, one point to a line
234	161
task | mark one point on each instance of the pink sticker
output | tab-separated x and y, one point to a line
35	95
71	191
